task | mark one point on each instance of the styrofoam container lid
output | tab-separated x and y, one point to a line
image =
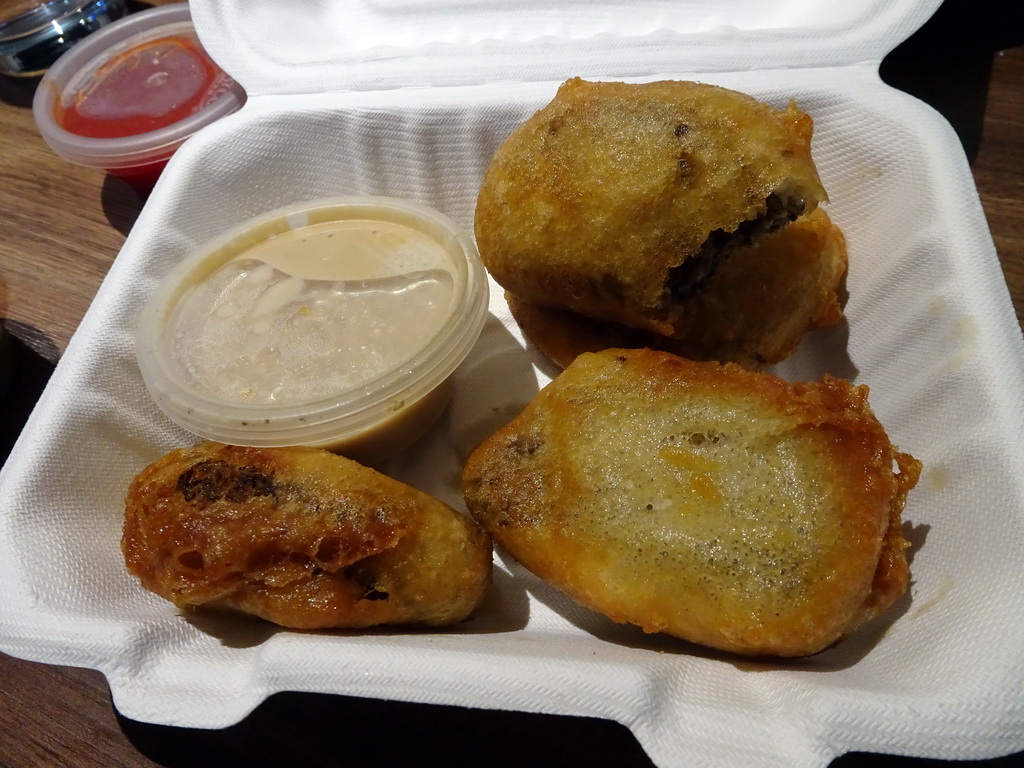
370	44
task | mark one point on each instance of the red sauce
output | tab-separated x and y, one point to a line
145	88
141	178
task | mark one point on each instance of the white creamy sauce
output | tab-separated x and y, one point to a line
313	312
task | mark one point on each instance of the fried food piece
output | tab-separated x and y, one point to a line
723	506
301	537
617	200
753	311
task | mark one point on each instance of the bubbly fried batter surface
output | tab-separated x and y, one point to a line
300	537
616	200
722	506
753	311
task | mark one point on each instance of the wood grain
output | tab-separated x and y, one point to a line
61	227
999	169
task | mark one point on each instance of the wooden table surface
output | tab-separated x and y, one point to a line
60	228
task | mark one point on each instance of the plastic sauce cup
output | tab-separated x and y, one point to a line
128	96
334	323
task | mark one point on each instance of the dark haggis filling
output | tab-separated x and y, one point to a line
210	481
689	276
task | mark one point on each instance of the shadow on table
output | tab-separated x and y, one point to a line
344	732
948	61
27	358
121	204
18	91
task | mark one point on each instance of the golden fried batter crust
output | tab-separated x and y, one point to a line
616	199
726	507
753	311
300	537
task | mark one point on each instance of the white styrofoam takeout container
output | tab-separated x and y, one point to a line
409	98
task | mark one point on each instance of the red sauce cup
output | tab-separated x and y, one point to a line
128	96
